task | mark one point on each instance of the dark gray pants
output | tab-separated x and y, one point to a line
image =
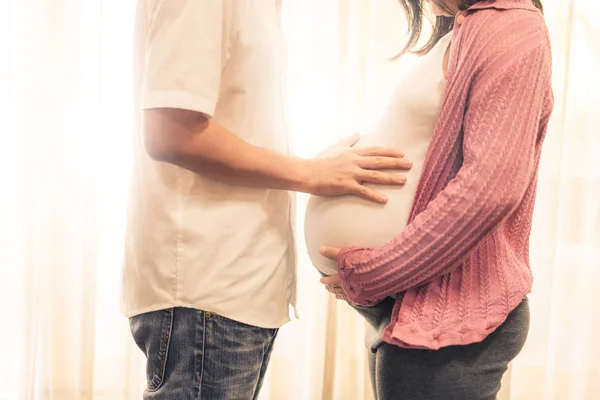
471	372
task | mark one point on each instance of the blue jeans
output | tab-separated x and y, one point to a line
192	354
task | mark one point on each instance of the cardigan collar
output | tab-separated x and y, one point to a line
503	5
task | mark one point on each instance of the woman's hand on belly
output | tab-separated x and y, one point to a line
334	286
332	283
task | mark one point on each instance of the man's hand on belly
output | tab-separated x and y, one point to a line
342	170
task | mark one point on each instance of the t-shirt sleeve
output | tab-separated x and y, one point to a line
184	55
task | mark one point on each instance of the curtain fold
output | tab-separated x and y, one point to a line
65	141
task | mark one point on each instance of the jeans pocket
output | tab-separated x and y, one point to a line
152	334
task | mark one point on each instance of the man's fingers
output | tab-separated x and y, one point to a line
367	193
348	141
375	151
382	178
380	162
340	146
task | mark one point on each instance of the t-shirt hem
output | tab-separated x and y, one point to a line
244	319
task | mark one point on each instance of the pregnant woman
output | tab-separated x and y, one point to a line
441	272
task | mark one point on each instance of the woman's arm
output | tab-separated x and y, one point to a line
503	118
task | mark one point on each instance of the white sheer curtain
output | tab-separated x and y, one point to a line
65	123
65	128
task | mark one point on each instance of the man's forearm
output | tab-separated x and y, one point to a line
190	140
202	146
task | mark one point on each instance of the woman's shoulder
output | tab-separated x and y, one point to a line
493	32
514	18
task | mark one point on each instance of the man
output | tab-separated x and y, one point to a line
210	260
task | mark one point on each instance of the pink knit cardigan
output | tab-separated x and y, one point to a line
461	265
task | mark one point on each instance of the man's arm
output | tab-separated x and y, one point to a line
195	142
184	53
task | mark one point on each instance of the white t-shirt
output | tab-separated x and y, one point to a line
407	124
191	241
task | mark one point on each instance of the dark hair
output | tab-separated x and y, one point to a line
442	25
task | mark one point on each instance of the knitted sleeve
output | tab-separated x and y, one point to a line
509	86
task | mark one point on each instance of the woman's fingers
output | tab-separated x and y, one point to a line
337	291
333	285
332	280
332	254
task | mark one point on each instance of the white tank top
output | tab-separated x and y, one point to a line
407	124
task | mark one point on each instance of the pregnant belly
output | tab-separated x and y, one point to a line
351	221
